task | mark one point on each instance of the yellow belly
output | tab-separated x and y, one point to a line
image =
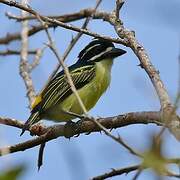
89	94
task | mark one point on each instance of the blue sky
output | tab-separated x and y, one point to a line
157	26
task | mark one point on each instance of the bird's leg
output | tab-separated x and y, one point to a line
74	126
75	115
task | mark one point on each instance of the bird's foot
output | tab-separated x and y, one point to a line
72	129
78	127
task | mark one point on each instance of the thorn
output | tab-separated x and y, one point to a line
27	4
23	130
54	28
140	65
134	34
39	167
112	169
118	136
25	127
72	37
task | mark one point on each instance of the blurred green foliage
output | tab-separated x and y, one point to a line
13	173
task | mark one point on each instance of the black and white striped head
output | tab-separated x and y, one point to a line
99	49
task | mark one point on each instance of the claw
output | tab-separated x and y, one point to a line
87	133
78	127
69	129
72	128
77	135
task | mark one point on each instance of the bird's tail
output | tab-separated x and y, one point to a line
34	117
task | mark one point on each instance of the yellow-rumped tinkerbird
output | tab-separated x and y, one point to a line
91	75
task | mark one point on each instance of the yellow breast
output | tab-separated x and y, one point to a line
89	94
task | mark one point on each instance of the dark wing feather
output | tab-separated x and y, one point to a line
58	89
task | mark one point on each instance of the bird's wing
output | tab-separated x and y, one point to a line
59	88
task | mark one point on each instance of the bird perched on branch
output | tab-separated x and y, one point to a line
91	75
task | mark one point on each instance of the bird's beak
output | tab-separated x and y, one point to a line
115	52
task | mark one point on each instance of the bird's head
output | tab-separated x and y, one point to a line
99	49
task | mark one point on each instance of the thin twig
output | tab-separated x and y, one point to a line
117	139
168	113
119	4
73	42
37	57
137	174
66	71
23	67
83	13
56	23
8	52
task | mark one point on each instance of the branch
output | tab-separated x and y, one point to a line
53	132
54	23
168	115
35	29
114	122
11	122
140	168
117	172
126	170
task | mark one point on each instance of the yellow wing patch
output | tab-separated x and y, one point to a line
37	100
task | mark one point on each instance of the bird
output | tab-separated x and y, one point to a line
91	75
